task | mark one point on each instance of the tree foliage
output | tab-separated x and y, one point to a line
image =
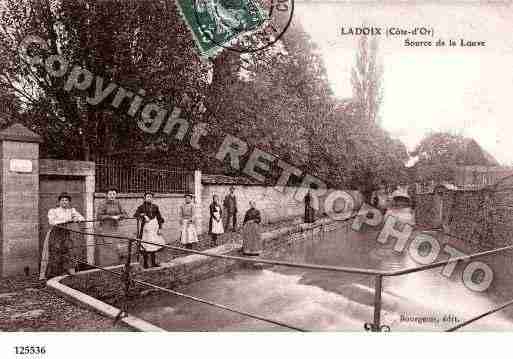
137	45
440	153
278	100
367	78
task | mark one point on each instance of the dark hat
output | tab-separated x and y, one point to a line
64	195
147	193
187	195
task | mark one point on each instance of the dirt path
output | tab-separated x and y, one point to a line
27	305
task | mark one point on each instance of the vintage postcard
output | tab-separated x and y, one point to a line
255	166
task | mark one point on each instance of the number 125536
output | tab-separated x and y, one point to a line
29	350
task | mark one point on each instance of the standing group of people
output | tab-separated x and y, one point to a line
251	244
59	249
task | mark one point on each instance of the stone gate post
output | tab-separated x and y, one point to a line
19	205
197	198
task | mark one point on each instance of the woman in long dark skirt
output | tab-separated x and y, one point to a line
58	246
309	208
251	241
150	232
110	251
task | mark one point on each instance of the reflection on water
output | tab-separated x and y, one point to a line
323	300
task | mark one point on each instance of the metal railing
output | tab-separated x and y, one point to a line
135	179
375	325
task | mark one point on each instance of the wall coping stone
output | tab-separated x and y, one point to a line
18	132
140	195
49	166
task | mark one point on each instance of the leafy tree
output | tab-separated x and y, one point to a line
440	153
138	45
278	100
9	107
367	78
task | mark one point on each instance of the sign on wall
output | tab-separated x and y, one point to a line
21	166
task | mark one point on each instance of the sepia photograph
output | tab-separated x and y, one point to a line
255	166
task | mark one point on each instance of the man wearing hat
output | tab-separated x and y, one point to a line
230	206
58	245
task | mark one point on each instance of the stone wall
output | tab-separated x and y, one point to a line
480	218
274	205
180	271
169	205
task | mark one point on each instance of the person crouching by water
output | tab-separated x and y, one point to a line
58	244
150	230
251	242
187	214
109	251
215	226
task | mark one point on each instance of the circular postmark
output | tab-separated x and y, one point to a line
255	24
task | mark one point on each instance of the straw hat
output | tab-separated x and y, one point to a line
400	193
64	195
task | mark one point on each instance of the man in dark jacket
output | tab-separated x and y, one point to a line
230	207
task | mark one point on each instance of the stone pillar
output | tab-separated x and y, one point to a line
19	206
197	187
89	213
197	199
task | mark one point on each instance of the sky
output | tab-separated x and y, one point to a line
464	90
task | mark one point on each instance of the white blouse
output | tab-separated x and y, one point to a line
62	215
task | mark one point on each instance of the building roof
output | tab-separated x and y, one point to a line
474	154
18	132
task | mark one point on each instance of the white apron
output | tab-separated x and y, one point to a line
188	234
217	223
45	255
150	235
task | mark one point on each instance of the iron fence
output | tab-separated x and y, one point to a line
129	178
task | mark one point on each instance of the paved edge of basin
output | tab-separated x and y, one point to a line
98	306
80	298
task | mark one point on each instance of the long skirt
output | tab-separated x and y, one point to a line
437	212
150	235
111	251
309	214
251	241
58	253
217	226
189	234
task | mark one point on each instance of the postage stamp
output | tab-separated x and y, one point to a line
221	24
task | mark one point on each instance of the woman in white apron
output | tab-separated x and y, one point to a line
58	245
215	226
189	234
150	232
